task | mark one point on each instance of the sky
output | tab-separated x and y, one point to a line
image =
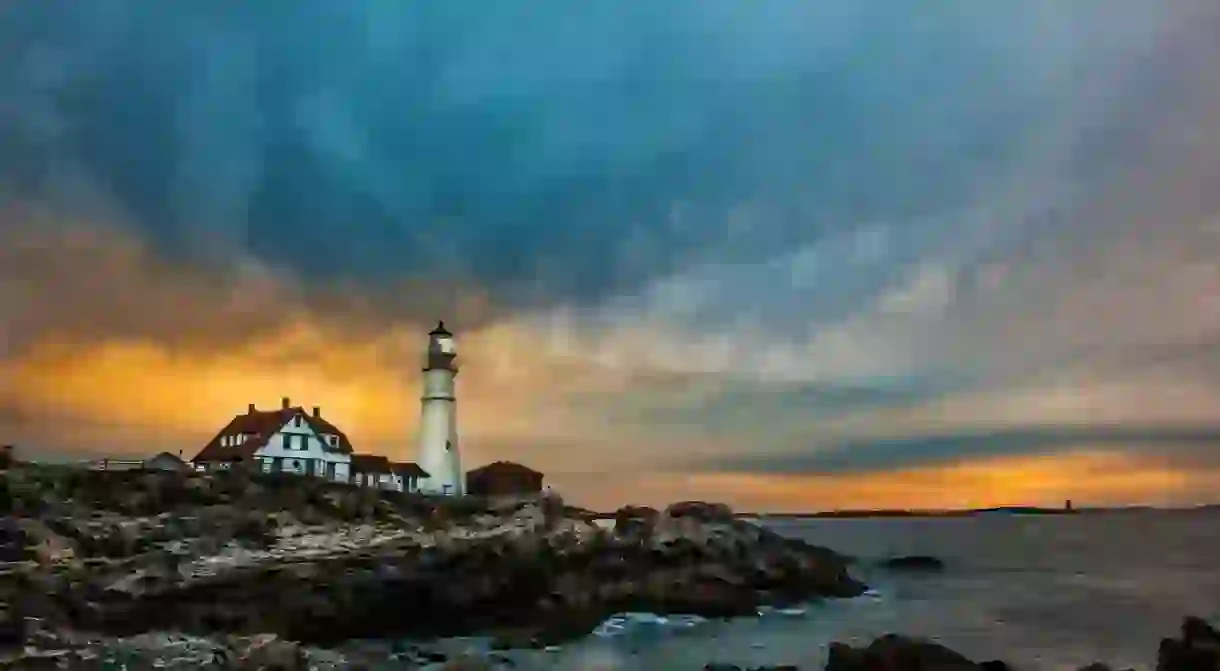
787	255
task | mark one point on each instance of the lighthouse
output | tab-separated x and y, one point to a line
438	439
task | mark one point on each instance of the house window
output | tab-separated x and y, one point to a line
287	441
296	421
334	441
267	465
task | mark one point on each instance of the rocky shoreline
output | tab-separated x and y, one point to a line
120	555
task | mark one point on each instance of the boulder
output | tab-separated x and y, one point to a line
1196	649
635	520
898	653
701	511
912	563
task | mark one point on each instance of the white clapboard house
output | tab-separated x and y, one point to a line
291	440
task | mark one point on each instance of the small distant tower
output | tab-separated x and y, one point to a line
438	438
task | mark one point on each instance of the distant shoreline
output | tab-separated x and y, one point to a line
1007	510
973	512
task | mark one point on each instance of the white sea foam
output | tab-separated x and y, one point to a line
625	623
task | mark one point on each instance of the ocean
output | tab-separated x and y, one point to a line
1042	592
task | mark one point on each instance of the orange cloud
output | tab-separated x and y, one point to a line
110	349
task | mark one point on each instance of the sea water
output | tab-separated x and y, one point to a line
1043	592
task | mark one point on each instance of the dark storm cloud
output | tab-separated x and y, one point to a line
743	404
543	150
887	454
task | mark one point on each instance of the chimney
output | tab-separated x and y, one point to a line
317	412
250	409
284	402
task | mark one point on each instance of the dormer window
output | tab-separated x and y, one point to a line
334	441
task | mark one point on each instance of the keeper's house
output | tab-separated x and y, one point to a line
291	440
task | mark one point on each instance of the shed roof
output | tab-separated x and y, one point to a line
503	467
370	463
409	469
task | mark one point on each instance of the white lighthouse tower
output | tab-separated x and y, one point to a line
438	439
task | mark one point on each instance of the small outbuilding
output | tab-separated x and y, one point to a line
374	470
167	462
503	478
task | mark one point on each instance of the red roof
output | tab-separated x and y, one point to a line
504	467
261	425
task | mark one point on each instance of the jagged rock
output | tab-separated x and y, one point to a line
700	510
898	653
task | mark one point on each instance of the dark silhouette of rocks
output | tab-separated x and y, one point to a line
912	564
1196	649
898	653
